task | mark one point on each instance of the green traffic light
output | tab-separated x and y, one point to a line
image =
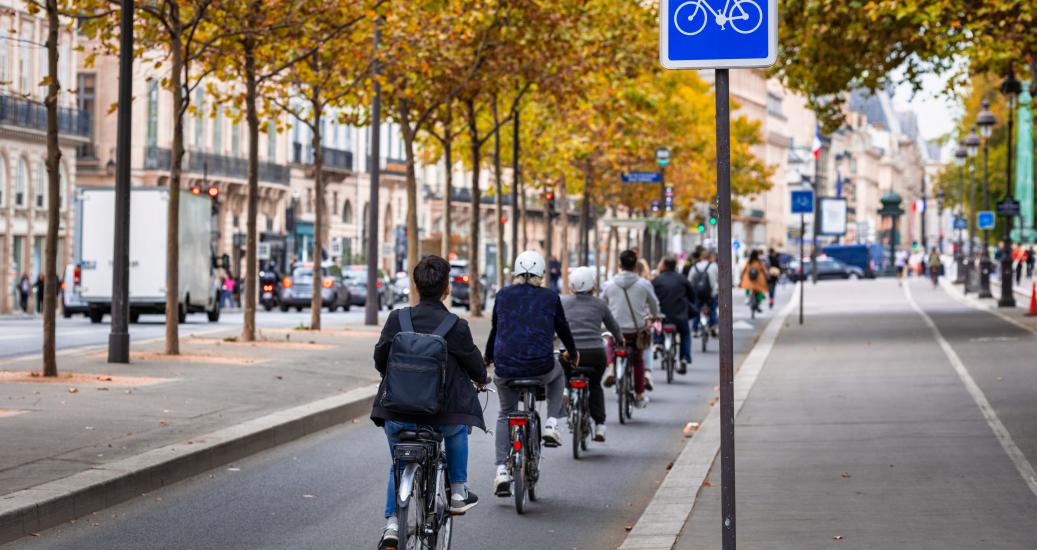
702	228
712	221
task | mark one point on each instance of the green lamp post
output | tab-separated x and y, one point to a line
891	209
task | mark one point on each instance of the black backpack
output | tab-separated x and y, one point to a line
700	282
415	377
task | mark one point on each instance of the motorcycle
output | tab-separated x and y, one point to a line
269	293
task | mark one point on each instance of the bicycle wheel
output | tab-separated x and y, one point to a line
446	533
409	516
749	12
622	395
690	23
629	405
670	365
519	482
576	428
533	459
705	339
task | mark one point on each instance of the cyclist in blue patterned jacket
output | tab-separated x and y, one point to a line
526	317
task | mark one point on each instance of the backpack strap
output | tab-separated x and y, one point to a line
405	321
445	325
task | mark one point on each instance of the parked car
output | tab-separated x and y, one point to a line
355	278
401	287
72	301
297	289
460	285
827	268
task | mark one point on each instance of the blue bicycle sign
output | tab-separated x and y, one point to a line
714	34
745	16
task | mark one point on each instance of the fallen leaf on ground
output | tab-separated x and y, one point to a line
163	422
690	427
707	483
628	527
73	390
105	378
845	474
837	537
669	466
89	428
308	496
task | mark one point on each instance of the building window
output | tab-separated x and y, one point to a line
85	100
236	220
199	119
334	203
3	182
235	138
217	133
62	182
152	135
347	212
41	51
5	72
41	185
21	183
64	62
24	58
269	224
774	105
271	141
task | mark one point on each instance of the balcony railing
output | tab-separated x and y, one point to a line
333	158
26	113
160	158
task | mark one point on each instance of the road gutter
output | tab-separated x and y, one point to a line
663	519
35	509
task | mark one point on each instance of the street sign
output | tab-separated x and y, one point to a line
1008	207
662	156
711	34
833	216
263	251
655	205
736	244
960	223
985	219
641	177
802	202
668	191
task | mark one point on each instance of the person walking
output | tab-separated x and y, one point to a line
228	290
39	293
934	265
23	292
754	281
773	274
1029	262
900	262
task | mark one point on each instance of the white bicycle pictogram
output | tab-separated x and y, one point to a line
734	12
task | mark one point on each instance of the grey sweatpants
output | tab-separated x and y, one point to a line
509	399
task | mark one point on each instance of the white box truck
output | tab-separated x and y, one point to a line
95	227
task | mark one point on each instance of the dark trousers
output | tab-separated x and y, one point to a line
636	361
597	360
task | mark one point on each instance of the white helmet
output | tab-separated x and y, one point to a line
529	263
582	280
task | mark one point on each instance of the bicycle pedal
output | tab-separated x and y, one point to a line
504	493
551	444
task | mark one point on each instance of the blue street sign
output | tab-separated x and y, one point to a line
960	223
985	219
711	34
736	244
802	202
641	177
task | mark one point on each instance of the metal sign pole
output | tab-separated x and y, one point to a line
727	406
802	237
119	337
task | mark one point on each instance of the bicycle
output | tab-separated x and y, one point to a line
669	351
734	12
704	326
423	493
624	384
523	462
579	409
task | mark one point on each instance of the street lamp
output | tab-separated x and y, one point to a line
1011	89
891	209
961	154
985	120
972	149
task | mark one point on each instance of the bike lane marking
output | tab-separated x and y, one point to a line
1023	465
663	519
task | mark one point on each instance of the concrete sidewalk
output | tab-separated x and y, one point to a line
101	433
861	432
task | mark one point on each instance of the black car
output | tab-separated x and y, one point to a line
827	268
460	285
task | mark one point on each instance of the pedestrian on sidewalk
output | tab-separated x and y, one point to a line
900	262
39	293
228	291
934	266
773	274
459	409
754	281
1029	262
1018	259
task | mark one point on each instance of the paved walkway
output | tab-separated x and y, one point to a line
883	425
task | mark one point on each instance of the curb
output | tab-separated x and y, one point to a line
35	509
663	519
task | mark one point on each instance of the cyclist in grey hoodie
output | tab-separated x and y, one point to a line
632	304
586	313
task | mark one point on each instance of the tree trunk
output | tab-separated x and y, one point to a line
475	303
180	101
412	193
318	227
499	203
248	330
448	199
50	262
563	241
597	249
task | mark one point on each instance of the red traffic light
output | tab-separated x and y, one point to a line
549	196
503	220
195	190
214	191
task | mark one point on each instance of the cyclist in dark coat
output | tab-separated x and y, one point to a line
460	409
676	296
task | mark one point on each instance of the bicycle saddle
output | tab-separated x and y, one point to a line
583	371
421	434
524	383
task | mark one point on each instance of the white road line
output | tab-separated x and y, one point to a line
1003	436
663	519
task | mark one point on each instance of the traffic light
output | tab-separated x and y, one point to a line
702	227
713	216
914	246
214	191
549	203
196	190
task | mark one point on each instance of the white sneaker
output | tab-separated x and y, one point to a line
642	403
599	433
551	436
502	483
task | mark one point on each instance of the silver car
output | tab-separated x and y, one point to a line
297	290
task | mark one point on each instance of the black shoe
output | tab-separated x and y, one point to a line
683	368
458	505
390	540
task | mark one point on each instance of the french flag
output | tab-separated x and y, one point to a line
816	147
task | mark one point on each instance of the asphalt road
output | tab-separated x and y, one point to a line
328	490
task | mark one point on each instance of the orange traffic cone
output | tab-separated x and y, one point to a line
1033	302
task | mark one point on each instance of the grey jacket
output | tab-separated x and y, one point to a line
586	314
642	300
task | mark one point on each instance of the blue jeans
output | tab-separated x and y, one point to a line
712	314
455	440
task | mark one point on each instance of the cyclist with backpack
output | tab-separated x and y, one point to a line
586	314
425	348
704	276
526	317
632	304
675	296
